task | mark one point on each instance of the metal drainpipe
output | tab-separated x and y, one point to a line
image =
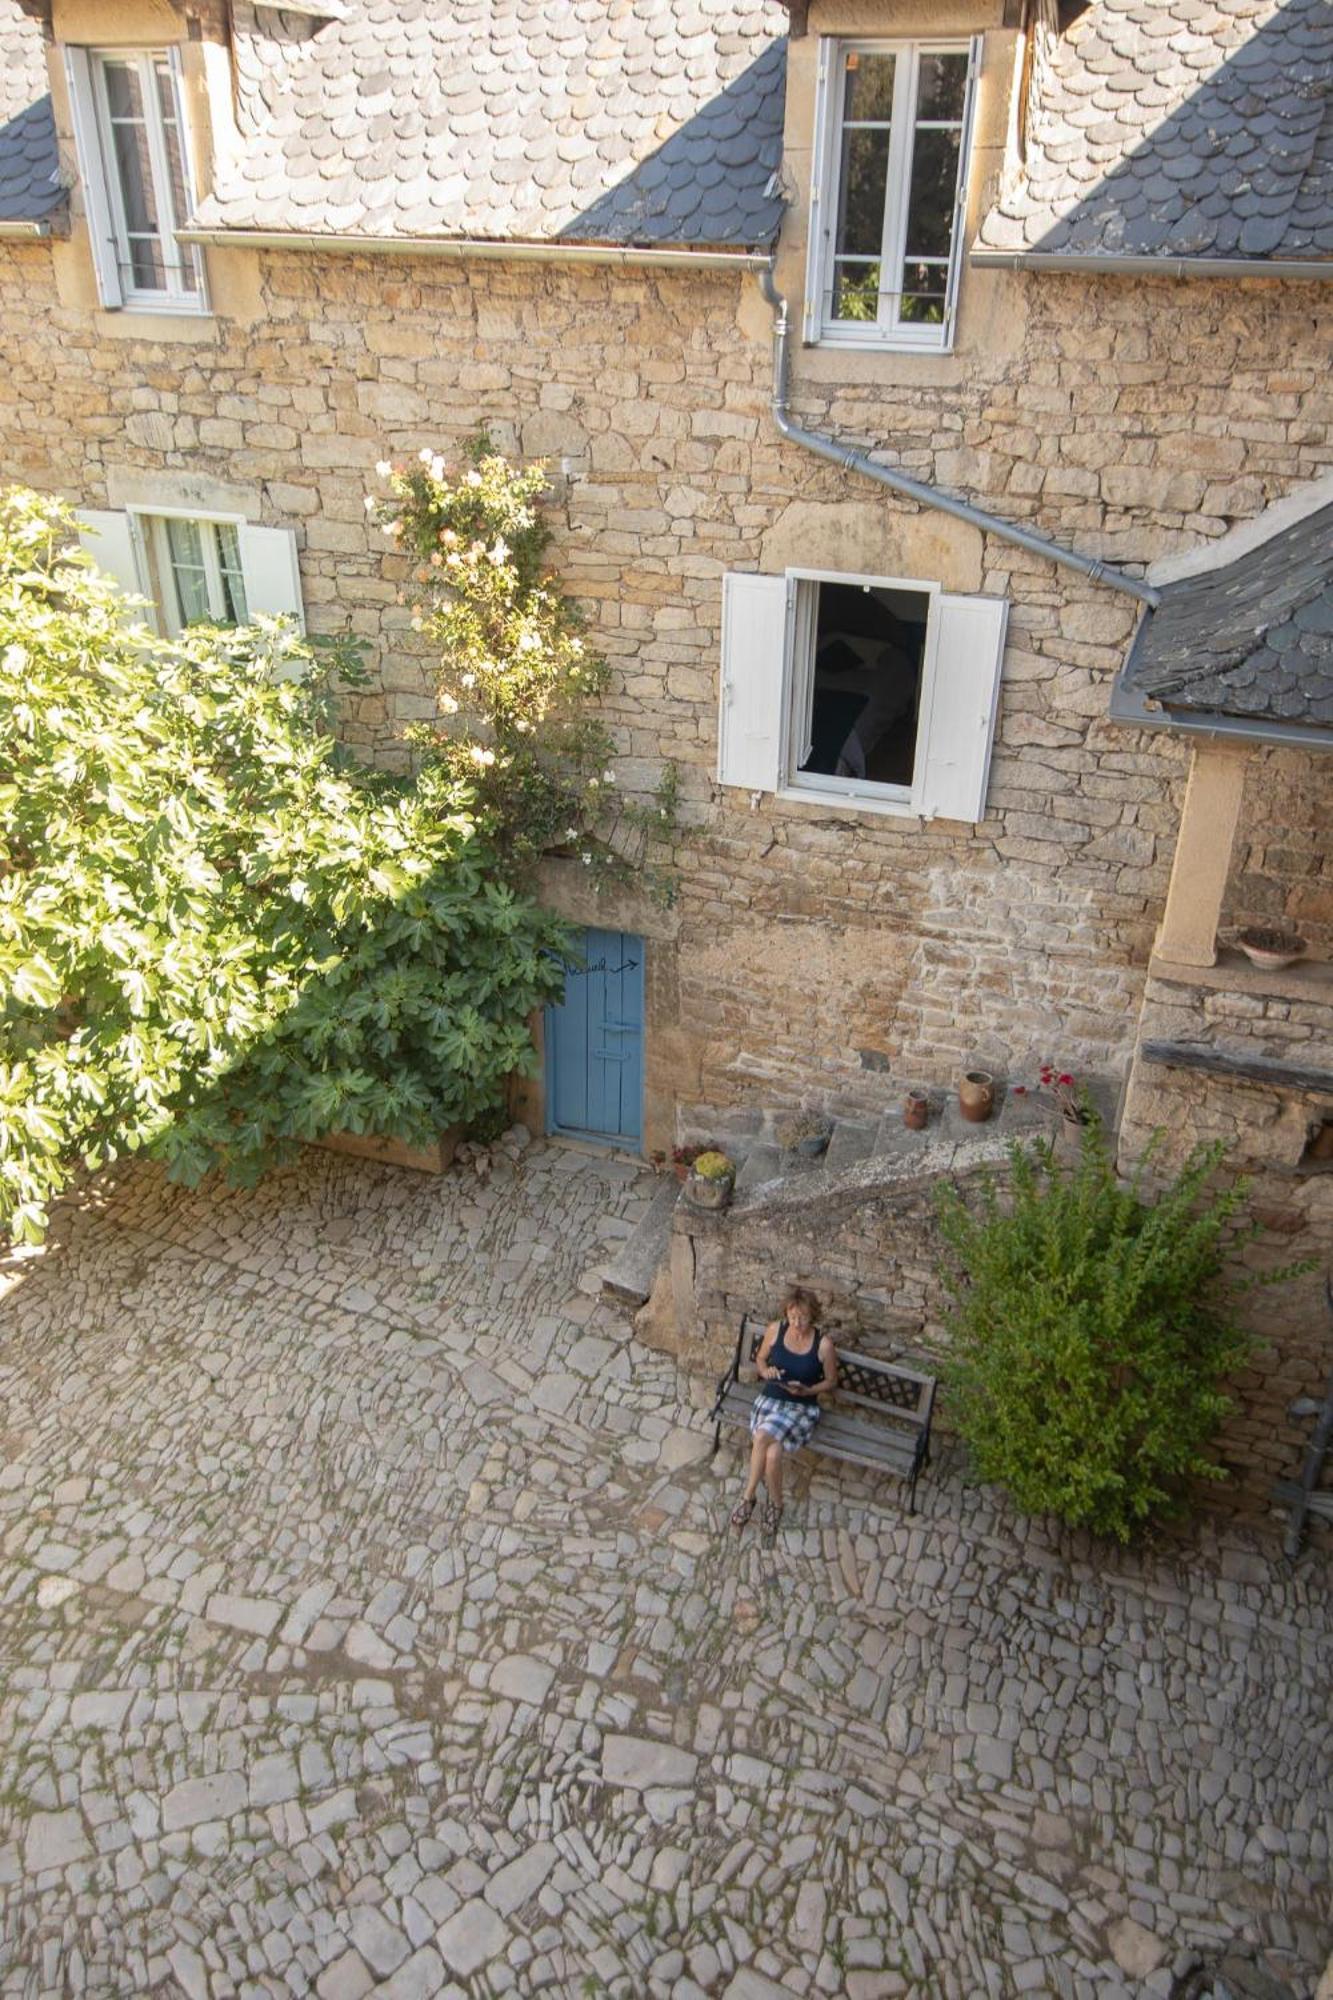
915	489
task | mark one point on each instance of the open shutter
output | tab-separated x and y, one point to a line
272	576
754	645
821	189
966	653
112	540
92	172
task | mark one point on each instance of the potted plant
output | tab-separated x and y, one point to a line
1270	950
804	1132
712	1179
1071	1101
684	1157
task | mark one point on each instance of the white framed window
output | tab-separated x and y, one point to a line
134	157
893	131
193	567
875	693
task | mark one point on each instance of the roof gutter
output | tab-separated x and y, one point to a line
1129	706
11	231
476	247
853	460
1155	267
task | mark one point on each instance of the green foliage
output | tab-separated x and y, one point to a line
515	674
1092	1332
215	939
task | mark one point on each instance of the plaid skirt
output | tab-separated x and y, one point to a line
789	1424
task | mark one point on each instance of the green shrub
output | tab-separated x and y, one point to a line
1092	1332
216	937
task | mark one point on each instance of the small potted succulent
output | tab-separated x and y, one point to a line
712	1180
804	1132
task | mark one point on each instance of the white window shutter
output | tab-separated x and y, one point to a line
272	575
966	655
754	645
112	540
92	173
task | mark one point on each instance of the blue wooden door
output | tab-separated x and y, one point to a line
594	1043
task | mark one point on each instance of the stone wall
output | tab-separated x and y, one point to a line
815	953
1282	861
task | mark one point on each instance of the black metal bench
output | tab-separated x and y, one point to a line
896	1438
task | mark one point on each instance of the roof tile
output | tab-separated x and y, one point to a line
1181	91
653	121
30	186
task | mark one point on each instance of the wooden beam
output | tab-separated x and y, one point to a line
1247	1069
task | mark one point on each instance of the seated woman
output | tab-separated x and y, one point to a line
795	1364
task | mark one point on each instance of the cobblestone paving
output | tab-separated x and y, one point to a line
367	1623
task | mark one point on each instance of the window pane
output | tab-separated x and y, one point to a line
861	188
869	649
855	291
187	570
941	86
868	86
934	186
923	293
122	90
233	579
180	201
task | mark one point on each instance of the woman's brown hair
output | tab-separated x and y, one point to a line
798	1296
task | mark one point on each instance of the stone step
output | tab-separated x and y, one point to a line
628	1278
853	1140
763	1163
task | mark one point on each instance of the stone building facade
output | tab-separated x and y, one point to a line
816	952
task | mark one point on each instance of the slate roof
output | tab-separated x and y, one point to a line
30	189
1177	128
1253	639
620	121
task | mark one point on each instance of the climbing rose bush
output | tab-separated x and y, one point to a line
516	679
216	937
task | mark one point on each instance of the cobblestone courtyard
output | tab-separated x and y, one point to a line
368	1622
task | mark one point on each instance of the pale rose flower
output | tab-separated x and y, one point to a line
587	861
391	527
474	477
437	468
436	559
383	468
468	680
480	756
425	454
499	549
608	777
370	503
571	833
522	728
448	706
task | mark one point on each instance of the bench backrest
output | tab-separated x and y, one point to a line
876	1385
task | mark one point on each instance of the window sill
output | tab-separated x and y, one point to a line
831	342
152	323
848	802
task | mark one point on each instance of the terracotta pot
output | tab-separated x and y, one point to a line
1069	1133
916	1110
976	1096
682	1168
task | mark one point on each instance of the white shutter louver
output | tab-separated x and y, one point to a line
272	574
754	644
967	652
92	174
112	540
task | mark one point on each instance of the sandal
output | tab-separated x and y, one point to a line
772	1521
741	1513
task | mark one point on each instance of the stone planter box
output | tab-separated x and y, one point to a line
434	1159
